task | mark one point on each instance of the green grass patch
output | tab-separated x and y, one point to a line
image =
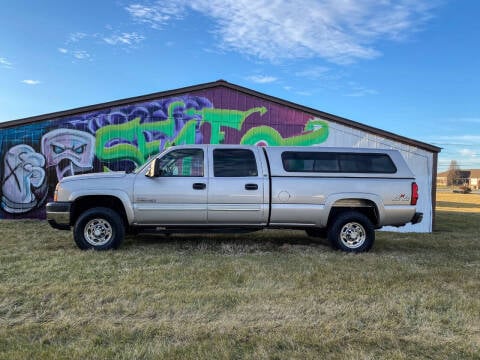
272	294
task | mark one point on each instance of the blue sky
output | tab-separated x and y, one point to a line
411	67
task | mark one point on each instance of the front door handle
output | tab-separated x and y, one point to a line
251	187
199	186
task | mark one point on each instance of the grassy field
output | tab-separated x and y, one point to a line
277	295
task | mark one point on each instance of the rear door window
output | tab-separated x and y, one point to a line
234	163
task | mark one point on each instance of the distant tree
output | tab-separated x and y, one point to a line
453	175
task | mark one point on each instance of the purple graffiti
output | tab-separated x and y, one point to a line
150	112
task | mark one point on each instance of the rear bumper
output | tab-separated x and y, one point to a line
418	217
58	215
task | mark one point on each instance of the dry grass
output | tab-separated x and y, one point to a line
269	295
447	201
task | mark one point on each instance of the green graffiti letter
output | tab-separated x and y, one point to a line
133	145
315	132
219	118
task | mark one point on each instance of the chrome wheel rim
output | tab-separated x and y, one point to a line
98	232
353	235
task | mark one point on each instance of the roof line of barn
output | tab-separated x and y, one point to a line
223	83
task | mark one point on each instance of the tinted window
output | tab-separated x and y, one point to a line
337	162
234	163
183	162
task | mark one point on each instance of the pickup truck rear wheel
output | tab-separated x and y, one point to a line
99	228
351	231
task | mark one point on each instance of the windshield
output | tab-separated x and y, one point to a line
141	167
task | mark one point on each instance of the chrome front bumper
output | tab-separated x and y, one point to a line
58	215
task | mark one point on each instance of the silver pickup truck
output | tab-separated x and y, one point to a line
342	194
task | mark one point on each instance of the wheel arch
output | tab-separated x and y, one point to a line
85	202
369	205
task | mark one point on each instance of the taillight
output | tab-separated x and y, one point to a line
414	197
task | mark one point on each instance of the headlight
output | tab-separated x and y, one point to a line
55	194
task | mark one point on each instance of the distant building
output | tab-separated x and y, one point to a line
470	178
37	152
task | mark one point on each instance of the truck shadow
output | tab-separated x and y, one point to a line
266	240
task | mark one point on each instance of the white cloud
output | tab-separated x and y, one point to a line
76	37
158	15
71	45
304	93
338	31
4	63
362	92
358	90
315	72
296	91
77	54
466	139
262	79
81	54
468	153
31	82
124	39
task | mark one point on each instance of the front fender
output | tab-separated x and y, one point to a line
121	195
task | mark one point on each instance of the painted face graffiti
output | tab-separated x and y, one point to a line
70	151
23	174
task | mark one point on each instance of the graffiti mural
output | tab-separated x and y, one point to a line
37	156
69	151
137	141
23	179
315	132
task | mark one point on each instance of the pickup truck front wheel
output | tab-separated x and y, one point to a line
99	228
351	232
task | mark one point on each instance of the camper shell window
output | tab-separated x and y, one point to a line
335	162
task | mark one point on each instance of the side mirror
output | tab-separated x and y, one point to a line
154	170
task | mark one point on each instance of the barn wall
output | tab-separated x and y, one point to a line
35	156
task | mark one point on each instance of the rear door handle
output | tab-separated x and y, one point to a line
251	187
199	186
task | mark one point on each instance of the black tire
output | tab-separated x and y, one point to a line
99	228
351	232
317	232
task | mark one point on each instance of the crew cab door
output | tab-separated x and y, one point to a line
177	194
237	187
